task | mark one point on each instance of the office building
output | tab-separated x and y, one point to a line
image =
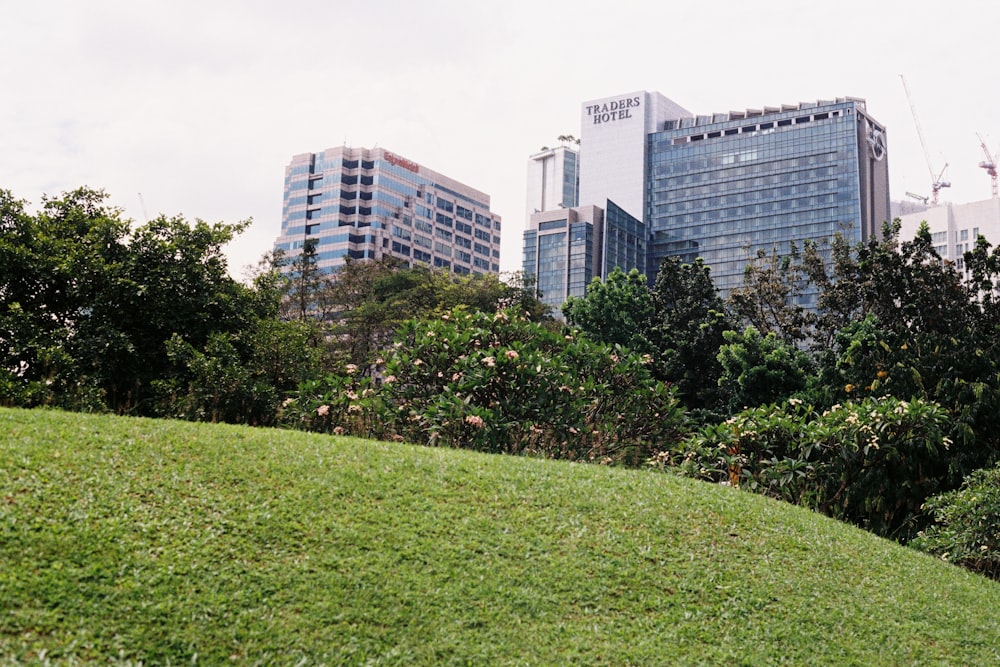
724	186
553	179
371	203
955	227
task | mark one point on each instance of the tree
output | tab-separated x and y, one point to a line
768	299
757	370
686	330
90	305
617	311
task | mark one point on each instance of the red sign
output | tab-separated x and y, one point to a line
402	162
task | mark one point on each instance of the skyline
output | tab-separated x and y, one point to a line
200	107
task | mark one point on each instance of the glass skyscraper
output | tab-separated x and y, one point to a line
722	187
370	203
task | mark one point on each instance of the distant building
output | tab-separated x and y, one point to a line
371	203
955	227
898	209
723	186
566	248
553	179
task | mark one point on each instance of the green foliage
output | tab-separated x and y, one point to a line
686	331
872	463
501	383
344	403
133	541
89	304
616	311
966	528
769	297
757	370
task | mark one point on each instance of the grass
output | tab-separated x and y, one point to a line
137	541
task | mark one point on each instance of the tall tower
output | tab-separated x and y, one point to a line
613	147
553	179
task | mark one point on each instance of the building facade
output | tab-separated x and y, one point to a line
553	180
722	187
954	228
371	203
559	251
613	138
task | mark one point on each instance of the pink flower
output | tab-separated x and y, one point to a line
389	379
323	410
490	361
511	354
354	407
351	369
338	430
475	420
418	362
456	377
288	401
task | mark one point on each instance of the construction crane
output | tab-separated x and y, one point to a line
923	199
937	181
989	164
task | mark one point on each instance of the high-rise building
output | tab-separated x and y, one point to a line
370	203
724	186
954	228
553	179
613	138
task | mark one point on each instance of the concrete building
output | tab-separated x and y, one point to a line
553	180
613	137
370	203
955	227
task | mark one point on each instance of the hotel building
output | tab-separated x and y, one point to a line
371	203
723	186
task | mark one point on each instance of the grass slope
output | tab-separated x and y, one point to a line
161	542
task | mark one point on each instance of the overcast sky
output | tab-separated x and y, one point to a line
199	105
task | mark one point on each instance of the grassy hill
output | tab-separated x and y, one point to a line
130	541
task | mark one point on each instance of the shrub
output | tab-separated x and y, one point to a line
967	524
339	404
501	383
872	463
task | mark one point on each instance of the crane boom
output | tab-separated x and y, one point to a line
936	180
989	164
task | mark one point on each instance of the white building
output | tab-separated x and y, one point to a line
955	227
553	180
613	137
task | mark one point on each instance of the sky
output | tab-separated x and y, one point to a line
194	108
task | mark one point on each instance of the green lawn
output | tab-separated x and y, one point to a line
127	541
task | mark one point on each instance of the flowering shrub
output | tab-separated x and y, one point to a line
501	383
967	524
872	463
338	404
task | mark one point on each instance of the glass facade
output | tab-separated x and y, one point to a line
624	241
723	187
378	197
562	252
